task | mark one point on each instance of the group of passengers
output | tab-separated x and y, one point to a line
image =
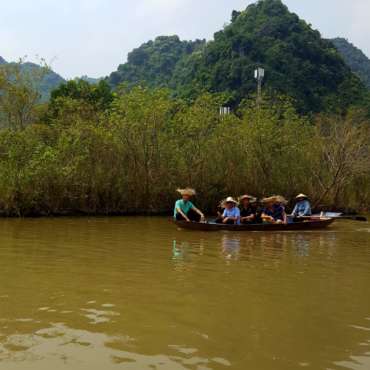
246	210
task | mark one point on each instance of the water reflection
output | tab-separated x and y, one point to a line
231	246
359	359
98	316
180	251
139	294
60	344
302	244
249	246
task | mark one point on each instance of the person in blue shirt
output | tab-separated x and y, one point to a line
302	208
231	215
185	209
274	211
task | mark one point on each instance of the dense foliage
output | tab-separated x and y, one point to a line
90	80
355	58
298	62
92	152
46	84
154	62
78	97
19	95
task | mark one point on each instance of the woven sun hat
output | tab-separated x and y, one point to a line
301	196
251	198
187	191
280	199
275	199
269	200
228	200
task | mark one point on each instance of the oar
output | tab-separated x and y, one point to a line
344	217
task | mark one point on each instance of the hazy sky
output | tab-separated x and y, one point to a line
93	36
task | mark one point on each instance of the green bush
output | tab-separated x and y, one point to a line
130	156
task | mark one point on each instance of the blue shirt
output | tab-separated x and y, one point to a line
277	212
184	206
233	212
302	208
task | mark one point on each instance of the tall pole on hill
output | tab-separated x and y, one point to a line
259	74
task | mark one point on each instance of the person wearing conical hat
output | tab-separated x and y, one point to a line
303	207
274	211
231	215
248	210
185	209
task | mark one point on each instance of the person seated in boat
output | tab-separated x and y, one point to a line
303	207
185	209
274	210
220	211
231	214
248	209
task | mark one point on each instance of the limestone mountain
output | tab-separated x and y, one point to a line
298	62
355	59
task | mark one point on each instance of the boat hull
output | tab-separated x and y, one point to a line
312	224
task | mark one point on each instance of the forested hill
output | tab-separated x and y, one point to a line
90	80
355	58
298	62
154	62
49	81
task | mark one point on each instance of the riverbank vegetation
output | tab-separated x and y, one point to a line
124	144
96	152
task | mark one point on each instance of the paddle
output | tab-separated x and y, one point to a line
343	217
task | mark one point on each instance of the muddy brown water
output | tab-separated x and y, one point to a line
137	293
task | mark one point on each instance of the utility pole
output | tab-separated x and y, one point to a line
224	111
259	74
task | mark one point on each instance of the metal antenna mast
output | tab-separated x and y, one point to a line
259	74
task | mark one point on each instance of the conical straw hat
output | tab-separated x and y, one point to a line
228	200
187	191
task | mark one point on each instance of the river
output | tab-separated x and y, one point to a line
137	293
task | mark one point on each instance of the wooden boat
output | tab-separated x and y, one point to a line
314	223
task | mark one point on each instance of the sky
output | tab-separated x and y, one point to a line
92	37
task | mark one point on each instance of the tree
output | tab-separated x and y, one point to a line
342	154
79	96
140	120
19	96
